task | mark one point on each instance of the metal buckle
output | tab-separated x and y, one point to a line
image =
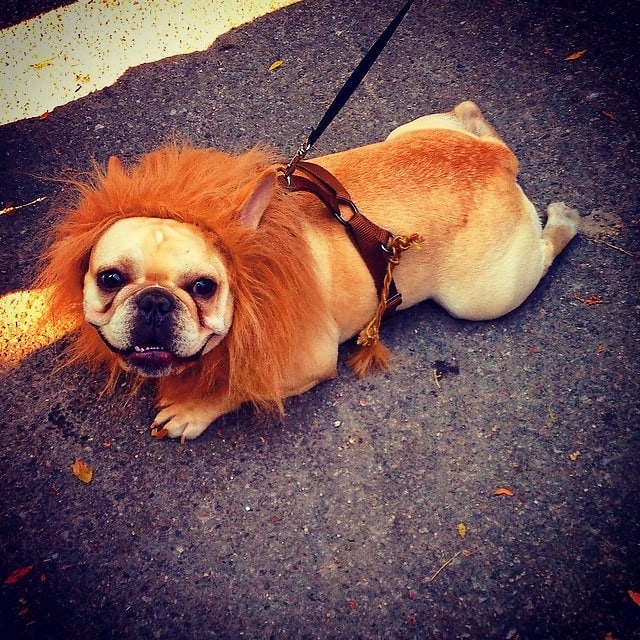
385	248
341	220
392	302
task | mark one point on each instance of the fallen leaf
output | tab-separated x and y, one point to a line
611	116
15	576
533	350
589	301
635	596
275	65
44	116
502	491
574	456
82	471
462	530
576	55
353	604
600	349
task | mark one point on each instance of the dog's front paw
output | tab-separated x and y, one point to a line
184	420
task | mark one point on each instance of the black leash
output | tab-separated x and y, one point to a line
347	90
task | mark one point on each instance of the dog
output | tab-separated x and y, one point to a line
202	270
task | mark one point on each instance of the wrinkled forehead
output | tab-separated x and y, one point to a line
153	244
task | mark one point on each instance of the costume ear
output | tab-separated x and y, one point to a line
256	198
115	165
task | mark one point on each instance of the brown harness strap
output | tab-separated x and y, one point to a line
373	242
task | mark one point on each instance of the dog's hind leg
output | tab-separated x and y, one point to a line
469	115
562	225
466	117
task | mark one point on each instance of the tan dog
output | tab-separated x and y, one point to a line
200	269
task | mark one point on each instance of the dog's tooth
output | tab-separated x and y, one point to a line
139	349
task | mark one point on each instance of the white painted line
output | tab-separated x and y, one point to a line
70	52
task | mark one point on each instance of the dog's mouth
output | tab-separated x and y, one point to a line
155	361
150	357
151	360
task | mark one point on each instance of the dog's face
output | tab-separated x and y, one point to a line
157	291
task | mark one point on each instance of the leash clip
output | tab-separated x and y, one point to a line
293	163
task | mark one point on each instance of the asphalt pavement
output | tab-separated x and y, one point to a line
486	487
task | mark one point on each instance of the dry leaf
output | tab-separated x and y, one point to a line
589	301
462	530
576	55
275	65
502	491
610	115
635	596
574	455
82	471
159	434
17	575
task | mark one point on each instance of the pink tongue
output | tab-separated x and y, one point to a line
154	357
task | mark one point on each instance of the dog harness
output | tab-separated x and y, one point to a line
379	248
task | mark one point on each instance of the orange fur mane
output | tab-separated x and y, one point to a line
270	268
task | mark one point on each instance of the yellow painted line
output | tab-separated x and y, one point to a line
68	53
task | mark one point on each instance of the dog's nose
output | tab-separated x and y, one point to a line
155	305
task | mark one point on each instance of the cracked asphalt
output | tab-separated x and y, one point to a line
342	519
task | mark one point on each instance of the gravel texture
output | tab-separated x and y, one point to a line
335	521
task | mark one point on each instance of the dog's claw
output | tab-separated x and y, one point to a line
183	420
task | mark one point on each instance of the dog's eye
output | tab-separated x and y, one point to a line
111	280
204	287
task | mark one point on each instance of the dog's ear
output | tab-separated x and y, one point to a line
256	198
114	165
